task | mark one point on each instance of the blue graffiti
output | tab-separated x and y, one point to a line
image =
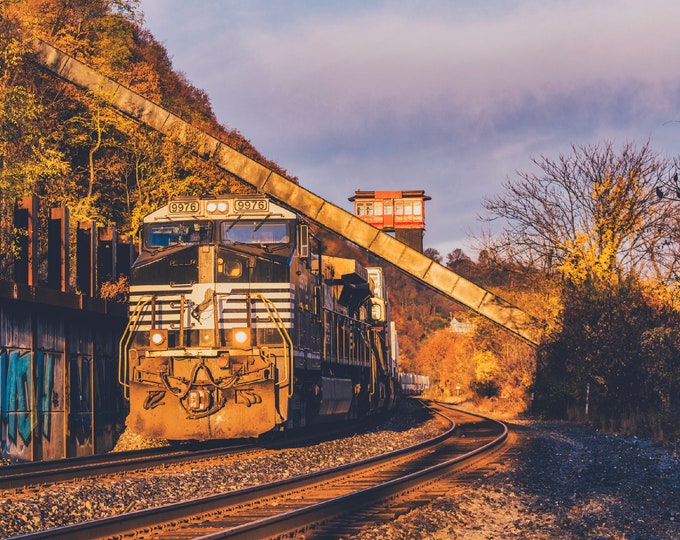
16	402
46	391
80	419
15	381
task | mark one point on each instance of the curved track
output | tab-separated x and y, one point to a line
306	502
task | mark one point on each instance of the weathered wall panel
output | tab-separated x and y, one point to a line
16	396
16	328
59	392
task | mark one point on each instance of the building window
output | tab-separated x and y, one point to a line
417	208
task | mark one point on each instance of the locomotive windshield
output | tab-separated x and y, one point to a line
160	235
255	232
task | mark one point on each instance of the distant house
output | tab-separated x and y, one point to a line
461	326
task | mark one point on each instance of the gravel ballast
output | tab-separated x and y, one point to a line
561	481
49	506
564	481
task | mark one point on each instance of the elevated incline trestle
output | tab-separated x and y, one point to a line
290	194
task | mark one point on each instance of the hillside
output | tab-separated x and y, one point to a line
67	148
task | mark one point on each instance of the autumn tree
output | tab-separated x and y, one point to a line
447	358
29	155
69	148
593	214
593	221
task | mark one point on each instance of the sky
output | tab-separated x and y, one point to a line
449	96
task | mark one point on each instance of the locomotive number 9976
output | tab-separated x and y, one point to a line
183	207
251	205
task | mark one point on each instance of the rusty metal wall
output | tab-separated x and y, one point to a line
59	392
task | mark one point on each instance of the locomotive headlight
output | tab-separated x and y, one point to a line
216	206
158	339
240	337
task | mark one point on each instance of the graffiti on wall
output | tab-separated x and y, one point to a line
32	407
80	419
16	400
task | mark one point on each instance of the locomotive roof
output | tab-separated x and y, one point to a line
219	208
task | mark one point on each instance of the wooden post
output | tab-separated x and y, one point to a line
26	220
125	255
86	258
106	254
58	250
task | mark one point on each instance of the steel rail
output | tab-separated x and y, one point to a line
59	470
147	518
150	519
19	475
302	519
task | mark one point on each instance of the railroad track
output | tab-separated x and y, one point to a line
311	503
50	471
41	472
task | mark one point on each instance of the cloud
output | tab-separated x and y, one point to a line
362	66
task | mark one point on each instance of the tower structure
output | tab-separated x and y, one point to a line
398	212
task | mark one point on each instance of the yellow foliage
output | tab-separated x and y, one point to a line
590	257
593	253
665	294
486	366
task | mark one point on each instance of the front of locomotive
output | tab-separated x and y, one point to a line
207	353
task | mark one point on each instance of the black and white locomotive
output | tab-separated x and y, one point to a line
240	324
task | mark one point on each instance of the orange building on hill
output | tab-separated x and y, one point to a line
400	212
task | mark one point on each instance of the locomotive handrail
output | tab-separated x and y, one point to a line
288	347
374	367
377	355
133	321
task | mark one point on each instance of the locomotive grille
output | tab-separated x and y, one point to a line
232	305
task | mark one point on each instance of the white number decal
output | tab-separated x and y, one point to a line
251	205
183	207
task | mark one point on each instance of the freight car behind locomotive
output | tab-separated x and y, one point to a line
413	384
240	325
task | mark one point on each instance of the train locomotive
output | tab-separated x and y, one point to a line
241	324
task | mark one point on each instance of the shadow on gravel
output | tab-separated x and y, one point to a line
593	485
